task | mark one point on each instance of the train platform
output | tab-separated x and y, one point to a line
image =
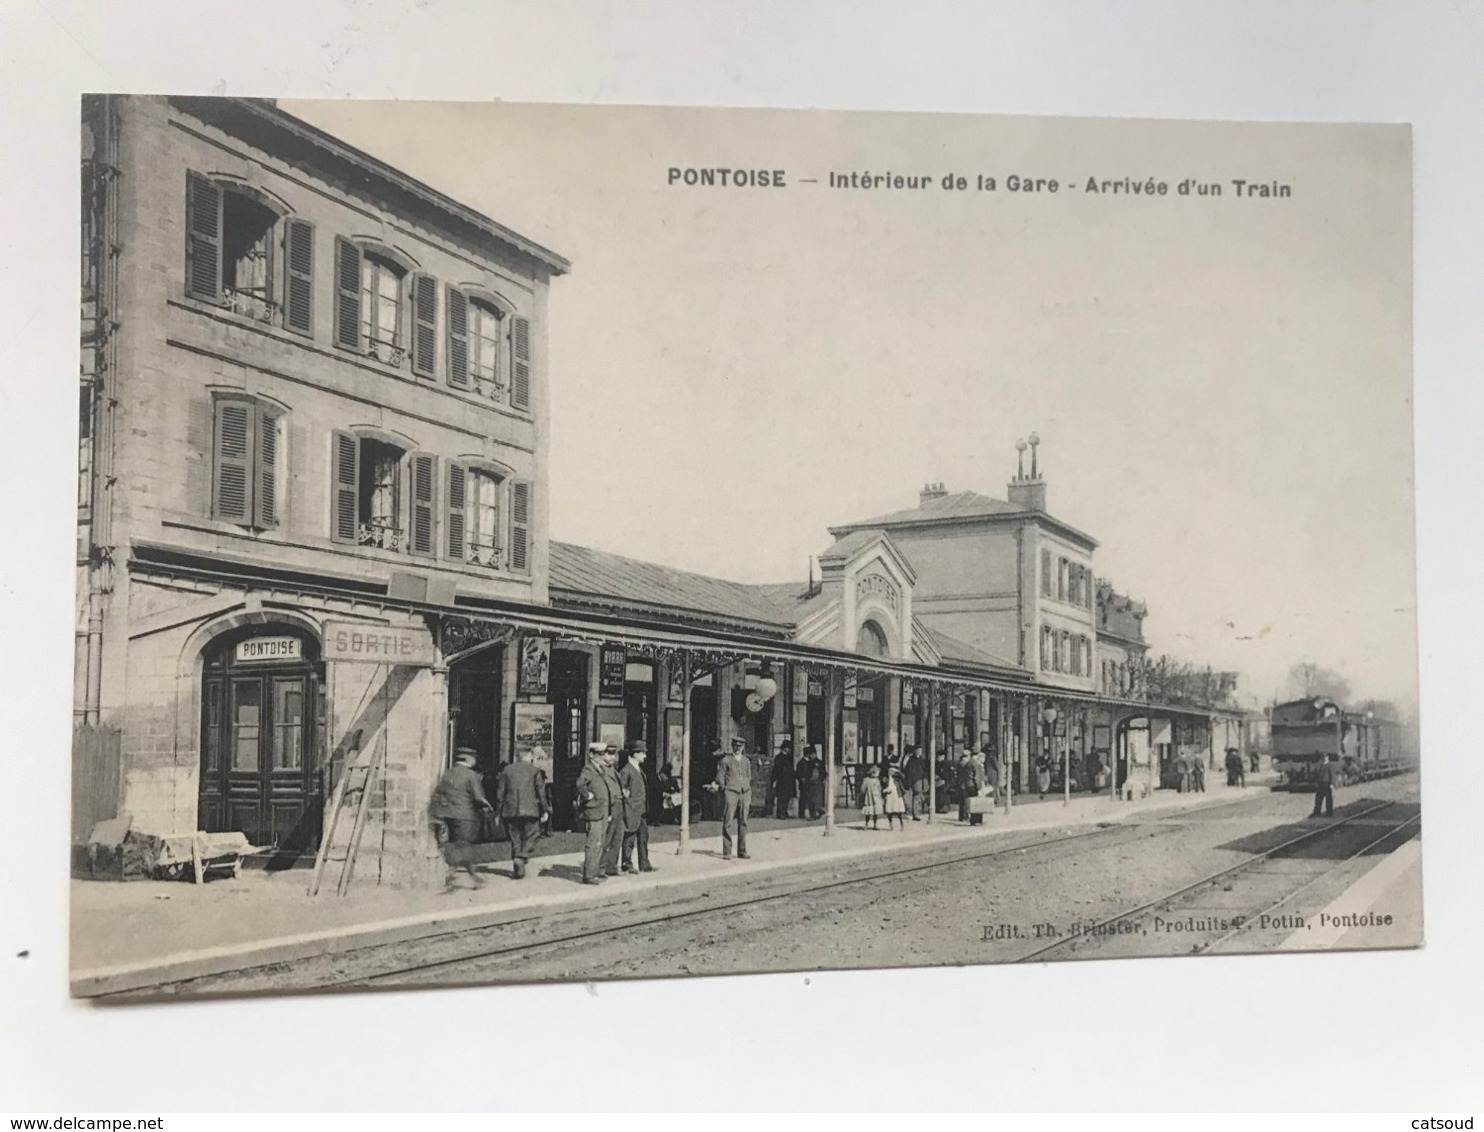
125	936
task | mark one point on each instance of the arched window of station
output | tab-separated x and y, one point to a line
262	738
872	640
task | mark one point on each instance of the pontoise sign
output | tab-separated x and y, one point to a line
354	642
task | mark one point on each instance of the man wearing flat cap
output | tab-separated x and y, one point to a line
734	782
594	800
457	803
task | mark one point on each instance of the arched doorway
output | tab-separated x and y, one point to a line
262	738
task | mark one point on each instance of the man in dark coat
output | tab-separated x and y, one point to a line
613	833
916	775
635	810
734	784
784	779
520	800
594	801
1324	789
457	803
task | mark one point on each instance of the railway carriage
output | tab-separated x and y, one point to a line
1306	732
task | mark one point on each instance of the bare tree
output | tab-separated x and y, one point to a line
1308	678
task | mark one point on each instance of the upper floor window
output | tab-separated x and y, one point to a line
1047	581
245	462
381	302
489	350
383	494
377	312
487	518
233	250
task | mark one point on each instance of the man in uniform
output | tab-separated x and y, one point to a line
594	800
734	784
457	803
613	833
520	800
635	810
1324	789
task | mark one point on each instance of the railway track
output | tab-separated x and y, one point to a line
488	954
447	952
1250	915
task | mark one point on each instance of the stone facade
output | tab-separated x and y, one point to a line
162	357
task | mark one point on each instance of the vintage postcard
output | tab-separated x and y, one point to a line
540	542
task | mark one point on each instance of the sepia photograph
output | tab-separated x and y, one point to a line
535	543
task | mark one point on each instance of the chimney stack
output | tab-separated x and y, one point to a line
1028	490
931	491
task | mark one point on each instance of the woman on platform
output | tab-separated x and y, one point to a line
872	802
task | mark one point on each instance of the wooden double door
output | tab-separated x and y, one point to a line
262	730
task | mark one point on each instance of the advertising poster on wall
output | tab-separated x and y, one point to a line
535	665
532	728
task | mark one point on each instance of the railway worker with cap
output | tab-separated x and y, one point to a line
1198	774
520	800
457	803
594	800
613	832
734	784
1324	787
635	809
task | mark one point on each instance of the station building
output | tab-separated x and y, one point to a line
312	533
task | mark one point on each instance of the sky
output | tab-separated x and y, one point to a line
1221	385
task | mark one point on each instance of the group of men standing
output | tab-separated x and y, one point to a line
613	804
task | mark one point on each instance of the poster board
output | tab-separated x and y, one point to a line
532	727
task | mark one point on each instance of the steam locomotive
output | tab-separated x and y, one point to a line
1306	732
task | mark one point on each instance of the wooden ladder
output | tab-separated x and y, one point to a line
354	789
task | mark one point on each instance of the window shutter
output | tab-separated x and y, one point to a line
423	481
1045	573
203	239
298	283
520	368
520	526
345	519
424	324
454	516
232	481
347	294
458	339
265	511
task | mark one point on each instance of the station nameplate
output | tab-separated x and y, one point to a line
261	649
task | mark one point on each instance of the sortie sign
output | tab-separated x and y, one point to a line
347	641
